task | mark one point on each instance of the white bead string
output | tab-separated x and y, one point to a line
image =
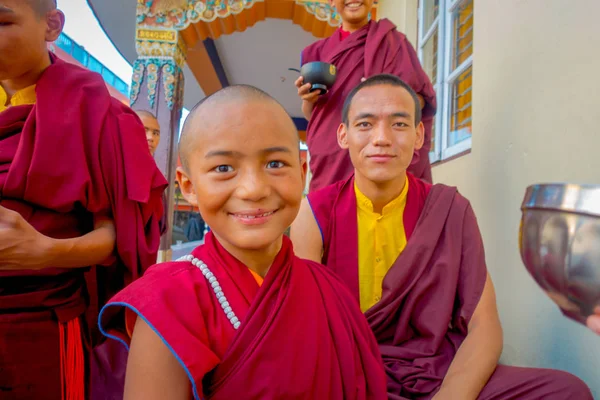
214	283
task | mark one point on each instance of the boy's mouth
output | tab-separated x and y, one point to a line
253	217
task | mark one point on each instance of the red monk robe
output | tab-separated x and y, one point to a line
429	294
374	49
297	336
76	153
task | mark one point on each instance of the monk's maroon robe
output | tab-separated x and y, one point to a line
376	48
300	334
429	294
75	154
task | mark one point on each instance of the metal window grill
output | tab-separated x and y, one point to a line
430	57
460	125
463	33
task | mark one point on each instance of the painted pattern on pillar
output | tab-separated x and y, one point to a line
169	75
136	80
160	51
152	74
179	14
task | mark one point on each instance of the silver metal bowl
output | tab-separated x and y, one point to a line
559	241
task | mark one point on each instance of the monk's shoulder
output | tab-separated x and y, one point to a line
76	79
170	269
326	196
168	277
459	202
384	24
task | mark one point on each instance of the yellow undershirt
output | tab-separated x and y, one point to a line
22	97
381	239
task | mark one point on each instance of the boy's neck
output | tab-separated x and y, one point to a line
29	78
258	260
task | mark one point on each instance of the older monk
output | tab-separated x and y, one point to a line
413	256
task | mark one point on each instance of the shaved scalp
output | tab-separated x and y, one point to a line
217	106
145	113
42	7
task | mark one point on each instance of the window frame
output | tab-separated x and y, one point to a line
445	76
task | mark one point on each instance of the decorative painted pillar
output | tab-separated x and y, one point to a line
157	86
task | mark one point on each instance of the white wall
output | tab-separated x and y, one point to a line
536	118
403	13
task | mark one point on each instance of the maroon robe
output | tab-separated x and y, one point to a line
75	154
430	293
301	334
376	48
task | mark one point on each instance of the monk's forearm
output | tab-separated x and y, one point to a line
90	249
307	109
473	364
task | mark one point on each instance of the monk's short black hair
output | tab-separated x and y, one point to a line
381	80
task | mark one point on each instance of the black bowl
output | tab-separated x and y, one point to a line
320	75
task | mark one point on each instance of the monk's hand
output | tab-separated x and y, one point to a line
304	91
21	246
593	321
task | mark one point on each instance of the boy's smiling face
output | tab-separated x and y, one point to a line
244	172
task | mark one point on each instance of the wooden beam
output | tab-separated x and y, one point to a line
200	63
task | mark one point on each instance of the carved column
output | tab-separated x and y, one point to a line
157	86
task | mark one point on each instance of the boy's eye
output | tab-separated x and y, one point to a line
224	168
275	164
363	124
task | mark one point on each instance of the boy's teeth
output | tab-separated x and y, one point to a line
257	216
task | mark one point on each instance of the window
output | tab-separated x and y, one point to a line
446	53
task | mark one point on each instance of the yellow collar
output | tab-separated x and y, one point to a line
397	204
22	97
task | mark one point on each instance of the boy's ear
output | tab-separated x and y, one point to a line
55	21
186	187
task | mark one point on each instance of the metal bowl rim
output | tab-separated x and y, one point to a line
582	199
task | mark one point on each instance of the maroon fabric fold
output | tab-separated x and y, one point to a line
301	336
340	240
374	49
431	291
75	154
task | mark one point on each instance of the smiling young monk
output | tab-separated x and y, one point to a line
242	317
413	257
359	49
